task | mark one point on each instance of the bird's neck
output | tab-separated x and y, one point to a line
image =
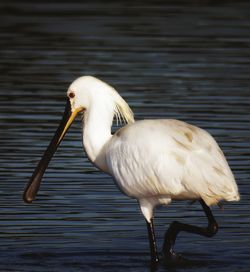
97	125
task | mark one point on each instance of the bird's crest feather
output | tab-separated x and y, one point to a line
123	112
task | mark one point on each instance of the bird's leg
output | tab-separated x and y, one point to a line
152	243
176	227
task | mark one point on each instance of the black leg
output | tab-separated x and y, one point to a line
176	227
152	243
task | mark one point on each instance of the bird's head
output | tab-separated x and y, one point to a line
87	89
83	94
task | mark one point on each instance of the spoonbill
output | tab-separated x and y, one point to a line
153	161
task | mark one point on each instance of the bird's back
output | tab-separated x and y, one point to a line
169	159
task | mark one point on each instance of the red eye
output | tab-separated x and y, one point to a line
71	95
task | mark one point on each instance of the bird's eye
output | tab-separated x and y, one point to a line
71	95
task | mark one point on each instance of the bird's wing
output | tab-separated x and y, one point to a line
205	171
169	157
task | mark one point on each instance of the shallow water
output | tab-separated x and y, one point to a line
175	60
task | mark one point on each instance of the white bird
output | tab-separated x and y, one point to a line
153	161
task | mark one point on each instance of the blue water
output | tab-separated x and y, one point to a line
171	59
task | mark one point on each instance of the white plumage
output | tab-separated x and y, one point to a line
156	161
153	161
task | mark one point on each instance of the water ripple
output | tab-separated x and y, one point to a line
179	60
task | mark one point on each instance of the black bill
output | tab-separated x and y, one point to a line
35	180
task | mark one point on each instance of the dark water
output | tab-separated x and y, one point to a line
168	59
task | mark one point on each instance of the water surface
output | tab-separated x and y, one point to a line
167	59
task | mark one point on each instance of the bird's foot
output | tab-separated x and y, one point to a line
172	258
154	265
